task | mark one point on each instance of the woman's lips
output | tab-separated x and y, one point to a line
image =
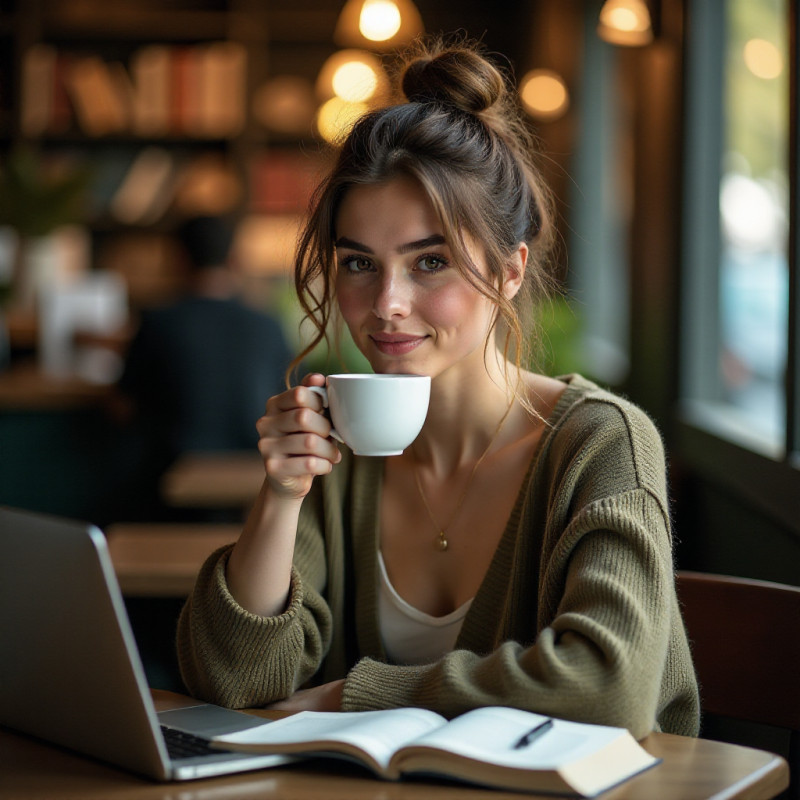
396	344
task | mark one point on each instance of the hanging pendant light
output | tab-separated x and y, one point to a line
625	22
378	24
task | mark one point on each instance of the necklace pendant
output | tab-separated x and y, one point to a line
442	543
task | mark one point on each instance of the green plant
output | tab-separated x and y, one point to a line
560	344
36	198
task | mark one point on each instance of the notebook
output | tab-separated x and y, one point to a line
70	672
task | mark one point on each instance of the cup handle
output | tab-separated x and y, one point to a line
323	393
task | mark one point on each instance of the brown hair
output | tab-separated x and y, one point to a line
460	135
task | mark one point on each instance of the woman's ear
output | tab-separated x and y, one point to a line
515	271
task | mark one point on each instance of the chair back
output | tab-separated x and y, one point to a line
745	640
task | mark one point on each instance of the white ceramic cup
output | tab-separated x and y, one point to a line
376	415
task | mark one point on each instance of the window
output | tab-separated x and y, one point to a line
738	372
736	354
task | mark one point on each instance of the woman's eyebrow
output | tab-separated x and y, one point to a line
409	247
351	244
421	244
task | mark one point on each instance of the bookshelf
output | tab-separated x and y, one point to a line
154	91
154	99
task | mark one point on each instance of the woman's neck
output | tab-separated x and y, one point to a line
464	417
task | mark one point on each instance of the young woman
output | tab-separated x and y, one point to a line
519	552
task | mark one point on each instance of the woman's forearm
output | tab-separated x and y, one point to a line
259	568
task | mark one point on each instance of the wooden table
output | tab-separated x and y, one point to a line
162	560
24	386
692	769
214	480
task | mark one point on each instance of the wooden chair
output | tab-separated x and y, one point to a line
745	638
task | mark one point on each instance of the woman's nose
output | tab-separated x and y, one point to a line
392	298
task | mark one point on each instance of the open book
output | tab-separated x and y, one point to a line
503	748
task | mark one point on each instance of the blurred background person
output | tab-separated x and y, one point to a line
200	369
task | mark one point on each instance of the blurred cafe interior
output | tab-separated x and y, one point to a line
669	134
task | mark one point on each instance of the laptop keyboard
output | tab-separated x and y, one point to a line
186	745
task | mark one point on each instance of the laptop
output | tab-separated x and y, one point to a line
70	672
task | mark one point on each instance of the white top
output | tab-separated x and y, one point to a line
411	636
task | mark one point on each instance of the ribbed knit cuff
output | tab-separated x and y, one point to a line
249	659
225	603
372	685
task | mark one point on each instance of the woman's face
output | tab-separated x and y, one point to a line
407	307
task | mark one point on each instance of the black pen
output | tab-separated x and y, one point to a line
533	734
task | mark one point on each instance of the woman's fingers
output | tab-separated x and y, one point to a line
294	438
298	444
292	421
297	397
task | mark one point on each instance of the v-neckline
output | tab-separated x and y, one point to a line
366	531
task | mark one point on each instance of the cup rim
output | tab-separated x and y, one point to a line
376	376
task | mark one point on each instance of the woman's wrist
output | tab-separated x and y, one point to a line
259	568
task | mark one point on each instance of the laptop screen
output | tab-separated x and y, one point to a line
71	673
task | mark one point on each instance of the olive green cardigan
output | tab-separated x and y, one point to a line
577	616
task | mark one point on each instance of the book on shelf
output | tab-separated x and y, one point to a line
282	182
497	747
196	91
147	188
221	98
185	90
101	95
150	69
45	107
208	84
38	89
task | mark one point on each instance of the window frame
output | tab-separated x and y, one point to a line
768	479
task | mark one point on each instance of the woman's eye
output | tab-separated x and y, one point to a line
431	263
356	264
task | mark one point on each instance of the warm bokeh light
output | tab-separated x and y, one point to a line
379	20
381	25
622	18
355	81
336	117
763	59
625	22
354	75
544	94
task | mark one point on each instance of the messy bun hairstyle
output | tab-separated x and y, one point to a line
454	128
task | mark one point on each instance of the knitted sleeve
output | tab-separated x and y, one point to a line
237	659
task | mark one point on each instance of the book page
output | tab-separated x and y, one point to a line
488	746
378	733
490	735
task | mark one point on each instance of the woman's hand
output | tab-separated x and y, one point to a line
327	697
294	443
294	440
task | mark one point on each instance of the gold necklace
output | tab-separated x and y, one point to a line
441	542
